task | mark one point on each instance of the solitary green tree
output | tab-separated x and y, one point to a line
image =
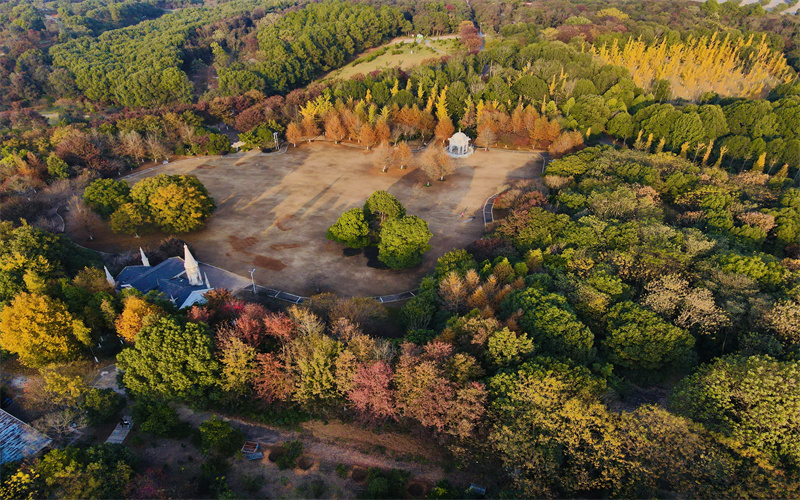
403	242
172	358
351	229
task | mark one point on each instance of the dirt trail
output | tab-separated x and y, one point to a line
342	443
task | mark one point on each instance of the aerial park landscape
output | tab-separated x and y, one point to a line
404	249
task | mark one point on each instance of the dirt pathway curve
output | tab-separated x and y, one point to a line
342	443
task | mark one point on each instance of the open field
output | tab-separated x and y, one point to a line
273	212
412	55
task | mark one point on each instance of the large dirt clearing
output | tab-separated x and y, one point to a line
273	212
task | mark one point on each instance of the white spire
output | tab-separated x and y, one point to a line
192	268
208	285
110	278
145	261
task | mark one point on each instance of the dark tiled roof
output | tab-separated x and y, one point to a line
220	278
148	280
131	273
19	440
169	277
178	290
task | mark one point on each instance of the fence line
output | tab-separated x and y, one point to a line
488	210
299	299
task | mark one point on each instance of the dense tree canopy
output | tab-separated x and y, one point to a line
172	358
403	241
172	203
350	229
40	330
751	399
530	351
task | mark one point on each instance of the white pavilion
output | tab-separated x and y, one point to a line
458	145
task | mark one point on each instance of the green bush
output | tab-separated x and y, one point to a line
159	419
420	336
219	436
341	471
443	489
102	405
386	484
212	476
292	451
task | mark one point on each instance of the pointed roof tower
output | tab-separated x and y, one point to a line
110	278
192	267
145	261
208	284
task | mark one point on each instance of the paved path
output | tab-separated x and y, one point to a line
120	432
106	378
488	210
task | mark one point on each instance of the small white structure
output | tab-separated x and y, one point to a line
458	145
145	260
192	268
109	278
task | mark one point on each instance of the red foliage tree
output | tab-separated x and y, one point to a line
250	327
272	382
426	394
279	325
371	394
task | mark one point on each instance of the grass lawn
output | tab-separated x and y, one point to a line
411	54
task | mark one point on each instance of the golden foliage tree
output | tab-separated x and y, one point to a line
486	137
238	362
132	318
384	156
367	136
436	164
40	330
294	134
382	131
334	129
566	143
741	68
453	291
310	128
444	129
403	155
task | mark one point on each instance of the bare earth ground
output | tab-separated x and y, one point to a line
325	445
273	212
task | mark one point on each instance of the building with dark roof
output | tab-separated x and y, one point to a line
19	440
183	281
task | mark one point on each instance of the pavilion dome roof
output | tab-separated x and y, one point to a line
459	139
